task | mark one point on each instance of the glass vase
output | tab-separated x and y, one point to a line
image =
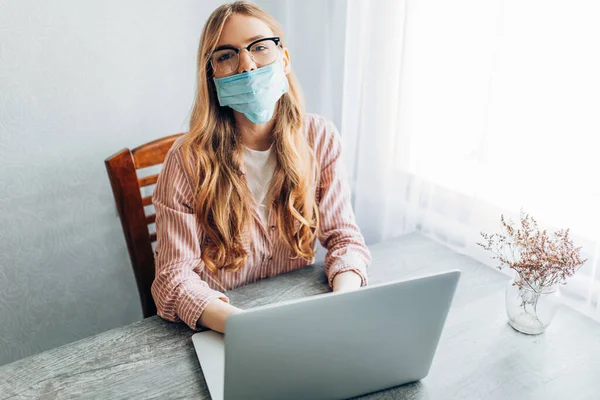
531	308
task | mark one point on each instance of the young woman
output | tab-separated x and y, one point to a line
246	192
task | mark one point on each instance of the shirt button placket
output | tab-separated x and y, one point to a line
272	241
268	257
263	268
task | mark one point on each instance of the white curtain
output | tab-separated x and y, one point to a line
452	113
456	112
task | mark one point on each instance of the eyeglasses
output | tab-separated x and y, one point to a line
225	59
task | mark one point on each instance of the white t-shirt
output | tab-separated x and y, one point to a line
260	166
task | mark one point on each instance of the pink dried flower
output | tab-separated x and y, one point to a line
541	259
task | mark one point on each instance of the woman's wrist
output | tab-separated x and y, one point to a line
216	313
346	281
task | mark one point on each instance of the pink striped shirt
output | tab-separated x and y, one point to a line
183	287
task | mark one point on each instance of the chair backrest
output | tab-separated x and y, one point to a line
122	171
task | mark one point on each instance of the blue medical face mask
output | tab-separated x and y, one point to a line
253	93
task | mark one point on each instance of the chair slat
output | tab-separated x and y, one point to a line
146	201
153	153
148	180
150	219
153	237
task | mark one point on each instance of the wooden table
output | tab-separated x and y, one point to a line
479	355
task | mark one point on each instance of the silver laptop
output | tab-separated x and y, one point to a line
329	346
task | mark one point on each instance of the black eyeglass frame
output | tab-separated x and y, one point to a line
275	39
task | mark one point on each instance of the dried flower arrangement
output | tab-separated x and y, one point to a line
542	260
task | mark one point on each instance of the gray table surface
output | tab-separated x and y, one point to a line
479	355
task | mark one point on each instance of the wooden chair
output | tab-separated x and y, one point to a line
122	171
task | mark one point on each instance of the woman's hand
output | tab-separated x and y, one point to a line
216	313
346	281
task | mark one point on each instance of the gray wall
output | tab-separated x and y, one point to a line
79	81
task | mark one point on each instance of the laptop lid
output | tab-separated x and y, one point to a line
338	345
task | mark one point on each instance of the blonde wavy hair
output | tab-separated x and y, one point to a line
214	152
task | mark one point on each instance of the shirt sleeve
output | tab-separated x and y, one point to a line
338	232
178	291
